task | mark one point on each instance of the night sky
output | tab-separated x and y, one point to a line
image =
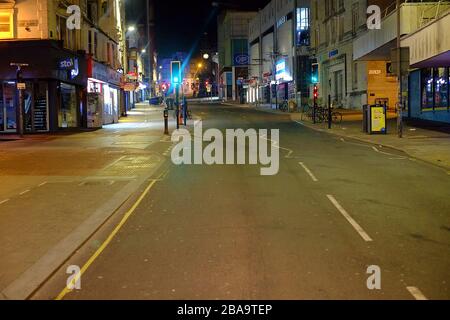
179	24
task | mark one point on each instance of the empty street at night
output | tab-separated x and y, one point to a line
227	159
335	208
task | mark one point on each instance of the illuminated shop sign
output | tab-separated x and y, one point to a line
280	68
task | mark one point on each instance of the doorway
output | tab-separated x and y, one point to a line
8	107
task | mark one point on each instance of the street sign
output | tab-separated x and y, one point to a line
21	86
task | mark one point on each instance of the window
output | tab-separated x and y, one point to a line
95	45
355	17
441	87
108	53
333	29
317	36
303	23
6	24
341	28
61	29
427	88
90	42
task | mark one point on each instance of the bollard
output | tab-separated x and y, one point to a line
329	112
166	121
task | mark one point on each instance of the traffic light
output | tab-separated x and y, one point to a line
175	70
316	92
315	73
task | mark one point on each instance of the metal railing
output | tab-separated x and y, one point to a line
435	12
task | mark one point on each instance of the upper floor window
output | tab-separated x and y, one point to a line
64	34
6	24
355	17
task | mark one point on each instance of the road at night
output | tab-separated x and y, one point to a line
310	232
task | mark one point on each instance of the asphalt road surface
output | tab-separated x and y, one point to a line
336	208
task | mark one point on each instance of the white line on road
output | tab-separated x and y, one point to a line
275	144
354	224
42	184
416	293
313	177
387	153
3	201
25	191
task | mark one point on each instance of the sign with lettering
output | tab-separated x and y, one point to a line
241	59
66	64
333	53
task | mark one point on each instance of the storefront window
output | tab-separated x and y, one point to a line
441	87
9	92
67	117
427	88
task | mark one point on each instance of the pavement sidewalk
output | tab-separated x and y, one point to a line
420	140
59	188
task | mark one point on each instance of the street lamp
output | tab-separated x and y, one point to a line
131	28
205	56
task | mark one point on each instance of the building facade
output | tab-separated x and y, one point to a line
73	74
279	45
428	76
233	32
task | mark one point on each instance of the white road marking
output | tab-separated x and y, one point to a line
275	144
387	153
416	293
42	184
354	224
114	162
25	191
4	201
308	172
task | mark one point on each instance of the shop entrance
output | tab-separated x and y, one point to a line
8	107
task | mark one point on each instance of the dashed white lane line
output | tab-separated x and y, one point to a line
354	224
313	177
42	184
23	192
4	201
416	293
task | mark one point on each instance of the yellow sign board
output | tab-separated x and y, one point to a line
377	119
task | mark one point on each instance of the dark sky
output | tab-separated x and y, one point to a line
180	23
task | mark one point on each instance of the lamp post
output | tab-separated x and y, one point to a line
20	87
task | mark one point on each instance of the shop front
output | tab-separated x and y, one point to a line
104	94
52	86
429	94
